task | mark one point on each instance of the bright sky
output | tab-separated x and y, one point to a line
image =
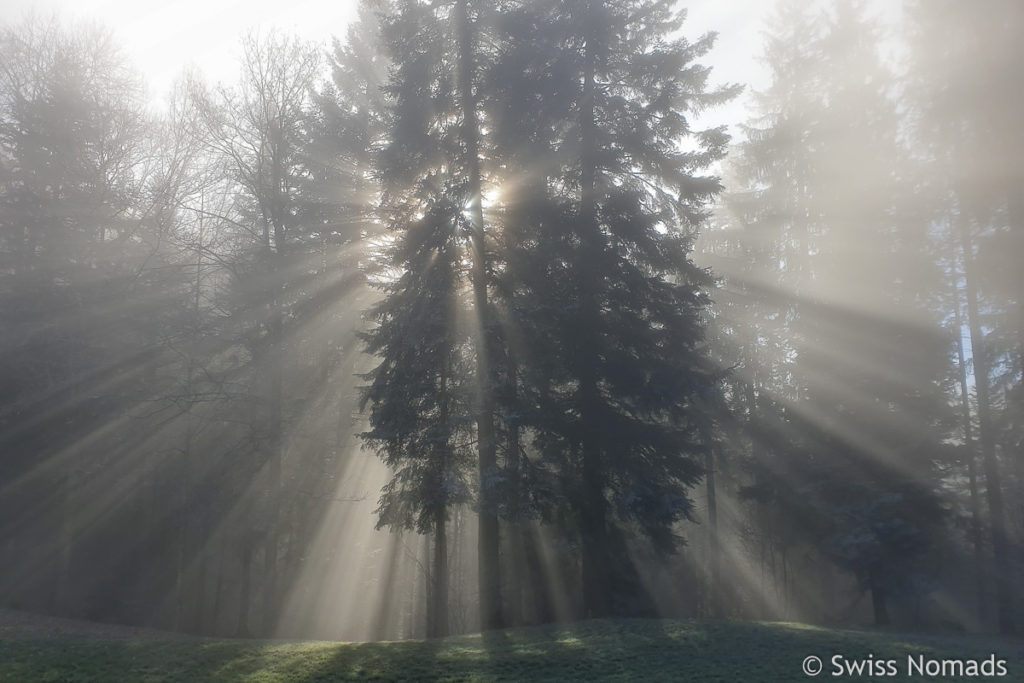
735	57
163	38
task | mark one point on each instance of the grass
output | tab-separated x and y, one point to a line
604	650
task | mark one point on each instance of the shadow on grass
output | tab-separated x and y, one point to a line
589	650
562	653
601	650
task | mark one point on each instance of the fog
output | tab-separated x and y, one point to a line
396	319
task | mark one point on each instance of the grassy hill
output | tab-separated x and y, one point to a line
605	650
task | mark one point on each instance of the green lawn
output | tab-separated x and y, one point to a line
619	650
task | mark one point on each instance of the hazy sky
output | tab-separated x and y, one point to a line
735	57
163	38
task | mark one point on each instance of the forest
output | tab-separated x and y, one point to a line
479	318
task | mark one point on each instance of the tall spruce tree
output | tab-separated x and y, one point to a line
421	393
420	419
88	289
487	464
605	302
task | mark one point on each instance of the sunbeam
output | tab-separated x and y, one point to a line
556	337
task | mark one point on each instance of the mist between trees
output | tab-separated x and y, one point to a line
465	322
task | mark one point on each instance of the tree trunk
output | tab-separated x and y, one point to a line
594	523
184	504
1004	597
218	594
437	590
761	508
385	615
439	616
542	599
514	468
972	475
198	617
181	551
488	541
60	599
273	476
277	210
242	631
713	546
188	614
1016	216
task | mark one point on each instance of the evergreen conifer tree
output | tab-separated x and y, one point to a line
605	199
421	393
851	421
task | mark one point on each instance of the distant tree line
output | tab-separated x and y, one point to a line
492	244
868	245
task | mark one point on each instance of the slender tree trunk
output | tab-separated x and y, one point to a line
184	512
439	620
541	600
272	537
594	523
786	602
73	477
61	597
516	537
517	575
242	631
1004	597
198	617
972	475
218	593
713	541
195	519
761	522
184	502
275	444
278	200
513	468
384	616
297	540
488	542
1016	214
